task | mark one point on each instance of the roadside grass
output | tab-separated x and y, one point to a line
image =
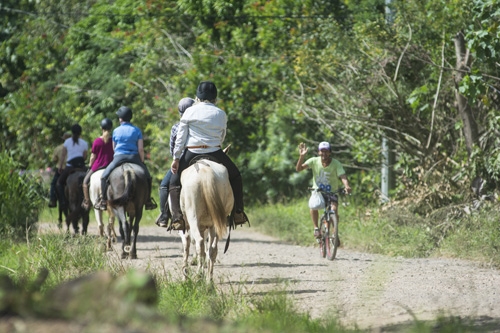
193	304
65	257
392	231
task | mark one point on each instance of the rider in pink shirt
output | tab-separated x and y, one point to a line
102	155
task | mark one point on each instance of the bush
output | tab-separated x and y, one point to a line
21	198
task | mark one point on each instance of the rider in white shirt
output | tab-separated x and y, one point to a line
202	130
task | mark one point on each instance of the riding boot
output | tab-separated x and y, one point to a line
175	208
53	194
86	197
60	194
239	215
102	204
150	203
162	220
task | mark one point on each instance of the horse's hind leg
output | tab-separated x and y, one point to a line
212	251
134	222
85	222
186	243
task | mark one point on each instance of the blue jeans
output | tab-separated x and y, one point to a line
164	185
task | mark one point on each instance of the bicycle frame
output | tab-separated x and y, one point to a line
329	240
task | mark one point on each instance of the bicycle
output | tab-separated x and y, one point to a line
328	228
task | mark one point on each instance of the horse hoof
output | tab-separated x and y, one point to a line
127	248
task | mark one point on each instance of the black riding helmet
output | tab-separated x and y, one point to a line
125	113
106	124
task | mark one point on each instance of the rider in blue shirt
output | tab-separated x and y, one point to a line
129	148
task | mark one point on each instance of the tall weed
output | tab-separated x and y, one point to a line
63	256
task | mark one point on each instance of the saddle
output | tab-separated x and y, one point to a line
201	157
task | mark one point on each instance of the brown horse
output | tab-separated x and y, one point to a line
74	198
127	194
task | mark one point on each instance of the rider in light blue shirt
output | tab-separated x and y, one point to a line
129	148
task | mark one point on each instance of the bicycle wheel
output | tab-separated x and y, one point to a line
332	237
322	239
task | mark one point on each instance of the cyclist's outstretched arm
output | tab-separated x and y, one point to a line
344	180
302	154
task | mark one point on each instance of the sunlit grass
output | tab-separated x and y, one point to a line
391	232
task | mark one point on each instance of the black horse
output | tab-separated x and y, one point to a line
74	199
127	194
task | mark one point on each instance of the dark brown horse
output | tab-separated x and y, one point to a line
74	198
127	194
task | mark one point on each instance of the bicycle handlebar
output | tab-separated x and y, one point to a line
340	190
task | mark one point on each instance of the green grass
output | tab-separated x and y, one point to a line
392	231
193	304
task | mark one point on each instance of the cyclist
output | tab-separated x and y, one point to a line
326	174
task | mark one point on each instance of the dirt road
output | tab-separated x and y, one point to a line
364	289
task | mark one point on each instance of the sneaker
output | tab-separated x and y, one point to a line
52	204
151	204
240	218
162	221
317	233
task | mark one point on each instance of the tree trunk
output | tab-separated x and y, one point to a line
464	109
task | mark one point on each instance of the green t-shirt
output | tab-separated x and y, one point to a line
326	176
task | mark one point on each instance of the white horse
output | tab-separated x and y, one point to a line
95	194
206	202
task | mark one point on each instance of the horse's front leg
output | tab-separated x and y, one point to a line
98	218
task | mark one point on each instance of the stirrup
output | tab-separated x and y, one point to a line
240	218
151	204
180	224
101	205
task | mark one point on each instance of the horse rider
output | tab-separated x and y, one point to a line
100	157
201	131
128	145
56	158
75	153
162	220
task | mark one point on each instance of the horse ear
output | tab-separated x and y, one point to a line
226	149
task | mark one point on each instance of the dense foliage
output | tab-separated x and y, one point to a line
350	72
21	199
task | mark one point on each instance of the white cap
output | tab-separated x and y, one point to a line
324	145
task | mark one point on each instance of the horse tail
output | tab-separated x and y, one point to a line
213	202
128	179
